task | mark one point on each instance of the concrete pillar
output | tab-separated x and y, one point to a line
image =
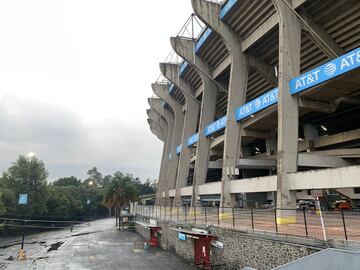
171	72
167	134
161	90
288	115
184	47
164	157
310	133
208	12
156	103
169	117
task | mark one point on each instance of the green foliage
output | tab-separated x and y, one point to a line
121	191
67	181
94	175
149	187
66	198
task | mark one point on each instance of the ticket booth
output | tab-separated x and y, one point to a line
202	242
154	233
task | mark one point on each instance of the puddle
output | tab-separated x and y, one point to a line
55	246
9	245
85	233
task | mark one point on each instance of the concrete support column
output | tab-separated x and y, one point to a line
161	90
178	126
167	134
164	159
208	12
171	72
184	47
288	114
310	133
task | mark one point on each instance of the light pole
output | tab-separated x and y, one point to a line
90	198
29	157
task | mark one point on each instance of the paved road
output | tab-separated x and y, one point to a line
95	245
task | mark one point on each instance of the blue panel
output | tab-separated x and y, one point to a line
226	8
202	39
171	87
23	198
325	72
182	236
257	104
182	67
216	126
193	139
178	149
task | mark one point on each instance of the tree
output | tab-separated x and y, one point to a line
121	191
28	176
67	181
95	175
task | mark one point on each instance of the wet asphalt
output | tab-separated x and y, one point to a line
95	245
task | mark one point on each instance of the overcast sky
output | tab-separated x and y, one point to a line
74	81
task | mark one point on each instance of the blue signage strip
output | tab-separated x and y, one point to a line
171	87
226	8
330	70
257	104
178	149
182	67
23	198
182	236
193	139
202	39
215	126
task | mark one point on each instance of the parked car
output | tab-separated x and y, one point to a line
305	205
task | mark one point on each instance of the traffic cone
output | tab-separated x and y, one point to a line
22	255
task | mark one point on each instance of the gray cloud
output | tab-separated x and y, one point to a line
70	147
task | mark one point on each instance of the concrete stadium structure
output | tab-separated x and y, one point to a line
264	106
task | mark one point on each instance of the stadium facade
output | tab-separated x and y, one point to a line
264	108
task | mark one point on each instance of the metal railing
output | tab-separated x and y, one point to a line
337	225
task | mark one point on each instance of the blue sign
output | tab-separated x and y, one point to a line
171	87
215	126
257	104
178	149
193	139
182	67
226	8
330	70
182	236
202	39
23	198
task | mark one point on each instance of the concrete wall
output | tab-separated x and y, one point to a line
246	250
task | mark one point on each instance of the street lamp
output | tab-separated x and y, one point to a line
22	254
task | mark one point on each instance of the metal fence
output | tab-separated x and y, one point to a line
331	225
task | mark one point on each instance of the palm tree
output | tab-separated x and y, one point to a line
120	193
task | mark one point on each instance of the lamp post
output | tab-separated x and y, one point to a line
29	156
90	198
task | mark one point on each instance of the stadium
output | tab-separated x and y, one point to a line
263	108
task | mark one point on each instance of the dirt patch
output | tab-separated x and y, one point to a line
11	258
55	246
